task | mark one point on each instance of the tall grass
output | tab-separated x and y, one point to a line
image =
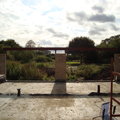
86	71
45	65
13	70
31	72
18	71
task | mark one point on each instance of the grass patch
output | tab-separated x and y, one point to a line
73	63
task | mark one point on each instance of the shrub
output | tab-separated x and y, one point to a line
17	71
43	58
13	70
31	72
71	76
49	59
52	78
40	65
87	71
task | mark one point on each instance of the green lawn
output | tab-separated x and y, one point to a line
73	63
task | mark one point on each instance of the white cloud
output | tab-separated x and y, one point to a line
58	21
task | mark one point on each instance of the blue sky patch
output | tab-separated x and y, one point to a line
53	9
29	2
117	20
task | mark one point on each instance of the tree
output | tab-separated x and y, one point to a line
112	42
46	52
30	44
11	43
82	42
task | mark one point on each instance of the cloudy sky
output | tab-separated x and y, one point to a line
53	23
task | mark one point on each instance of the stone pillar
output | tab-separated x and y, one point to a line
3	65
117	64
60	67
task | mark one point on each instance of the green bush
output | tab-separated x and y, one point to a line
71	76
13	70
45	65
31	72
43	58
17	71
40	65
87	71
49	59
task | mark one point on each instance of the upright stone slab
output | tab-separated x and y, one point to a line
60	67
117	64
3	64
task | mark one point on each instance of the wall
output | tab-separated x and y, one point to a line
60	67
3	64
117	64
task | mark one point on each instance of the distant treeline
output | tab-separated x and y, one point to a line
46	56
25	56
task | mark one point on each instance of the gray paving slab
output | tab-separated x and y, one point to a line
47	103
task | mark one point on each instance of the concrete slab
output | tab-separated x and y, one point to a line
46	103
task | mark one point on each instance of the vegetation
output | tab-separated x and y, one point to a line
73	63
43	58
86	71
30	44
28	71
81	42
112	42
32	65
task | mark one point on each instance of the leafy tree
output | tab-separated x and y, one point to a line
30	44
116	44
112	42
83	42
38	52
46	52
11	43
52	56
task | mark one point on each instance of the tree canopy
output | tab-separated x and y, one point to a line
82	42
9	43
112	42
30	44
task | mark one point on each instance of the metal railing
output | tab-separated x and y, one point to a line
111	97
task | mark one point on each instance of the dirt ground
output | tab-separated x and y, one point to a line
54	101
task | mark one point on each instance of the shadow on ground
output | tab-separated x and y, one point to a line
59	88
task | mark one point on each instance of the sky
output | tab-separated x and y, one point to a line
53	23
